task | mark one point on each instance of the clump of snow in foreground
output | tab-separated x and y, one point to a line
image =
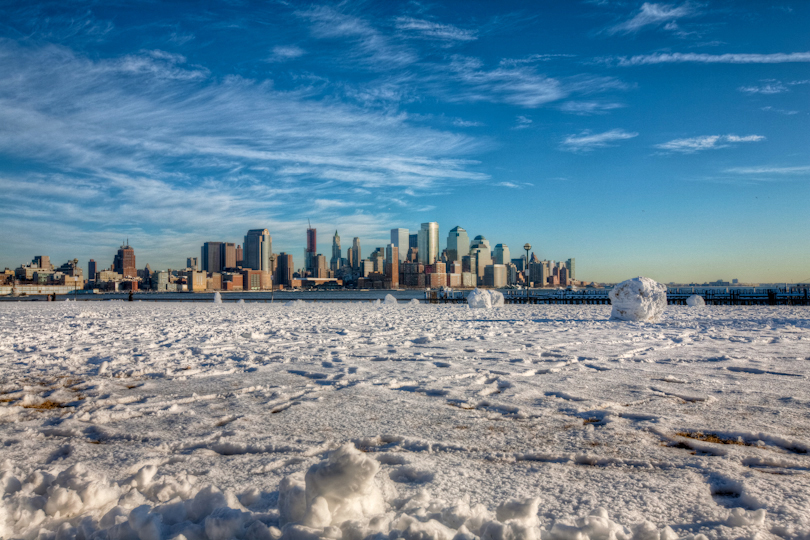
695	300
638	299
485	299
390	300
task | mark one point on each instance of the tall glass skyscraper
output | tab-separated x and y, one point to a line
334	263
458	244
399	237
502	255
428	240
256	250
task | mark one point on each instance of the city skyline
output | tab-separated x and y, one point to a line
659	139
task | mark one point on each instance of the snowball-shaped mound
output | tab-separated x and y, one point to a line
414	301
390	300
695	300
638	299
339	489
293	303
483	299
241	301
217	298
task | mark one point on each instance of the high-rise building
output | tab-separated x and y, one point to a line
480	256
413	241
571	265
91	270
334	263
228	255
502	255
458	244
257	249
240	255
309	252
428	242
539	272
356	256
212	255
400	240
495	275
320	270
284	269
191	262
392	264
124	261
42	261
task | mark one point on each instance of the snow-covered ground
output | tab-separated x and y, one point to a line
135	420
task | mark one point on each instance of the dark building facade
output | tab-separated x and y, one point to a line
124	262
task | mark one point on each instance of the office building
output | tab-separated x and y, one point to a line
91	270
337	254
458	244
413	241
495	275
356	256
502	255
310	265
228	255
212	256
257	250
124	262
480	256
284	269
400	239
392	265
192	263
428	242
571	265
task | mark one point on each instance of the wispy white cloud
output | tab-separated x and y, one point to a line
780	111
706	142
423	29
774	87
654	15
804	169
703	58
589	107
282	53
587	140
522	122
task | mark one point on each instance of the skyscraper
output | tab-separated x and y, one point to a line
309	253
502	255
458	244
257	249
124	261
571	265
413	240
428	242
392	263
228	255
334	263
91	270
212	256
399	238
480	256
356	257
284	269
191	262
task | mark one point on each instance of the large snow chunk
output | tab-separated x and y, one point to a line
390	300
217	298
638	299
695	300
336	490
483	299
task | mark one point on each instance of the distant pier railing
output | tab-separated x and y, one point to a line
727	297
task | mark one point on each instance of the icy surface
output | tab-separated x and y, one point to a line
695	300
349	421
638	299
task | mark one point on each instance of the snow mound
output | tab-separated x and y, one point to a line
336	490
484	299
390	300
638	299
293	303
217	298
241	301
695	300
414	302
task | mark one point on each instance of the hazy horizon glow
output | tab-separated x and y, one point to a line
660	139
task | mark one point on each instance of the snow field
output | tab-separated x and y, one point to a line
126	420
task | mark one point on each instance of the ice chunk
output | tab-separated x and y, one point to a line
217	298
390	300
483	299
638	299
695	300
414	301
740	517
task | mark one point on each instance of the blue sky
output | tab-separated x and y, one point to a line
663	139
